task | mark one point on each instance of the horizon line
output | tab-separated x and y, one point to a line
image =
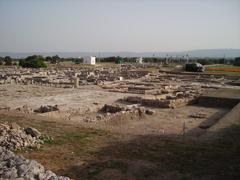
118	51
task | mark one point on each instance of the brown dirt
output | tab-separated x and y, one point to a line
150	147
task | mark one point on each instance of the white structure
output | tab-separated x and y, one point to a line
139	60
89	60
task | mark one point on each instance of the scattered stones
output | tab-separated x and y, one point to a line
99	117
69	78
17	167
33	132
25	108
149	112
48	108
5	108
133	99
180	95
171	97
111	109
15	126
88	119
14	138
114	111
198	115
169	102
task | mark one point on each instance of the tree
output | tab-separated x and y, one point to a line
78	60
1	61
237	61
48	58
55	59
221	61
118	60
34	61
8	61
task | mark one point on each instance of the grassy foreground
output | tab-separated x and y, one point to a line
82	153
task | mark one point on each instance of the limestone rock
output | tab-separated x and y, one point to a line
17	167
45	109
14	138
33	132
149	112
198	115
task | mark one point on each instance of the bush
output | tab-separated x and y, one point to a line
48	59
55	59
8	61
33	62
78	61
237	61
1	61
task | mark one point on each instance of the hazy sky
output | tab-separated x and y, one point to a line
118	25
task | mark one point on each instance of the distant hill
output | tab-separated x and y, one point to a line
215	53
228	53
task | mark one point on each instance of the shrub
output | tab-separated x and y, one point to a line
33	62
237	61
8	61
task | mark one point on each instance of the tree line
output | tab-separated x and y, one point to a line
38	61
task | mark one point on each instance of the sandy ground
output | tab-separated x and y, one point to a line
164	121
131	148
86	101
91	97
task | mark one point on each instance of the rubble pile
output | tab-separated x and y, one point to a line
5	108
198	115
116	111
13	137
25	109
162	84
168	102
17	167
68	77
45	109
111	108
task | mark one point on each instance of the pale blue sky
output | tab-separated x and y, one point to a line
118	25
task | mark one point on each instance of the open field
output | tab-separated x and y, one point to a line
226	69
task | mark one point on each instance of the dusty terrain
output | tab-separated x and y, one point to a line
140	141
77	104
84	153
82	99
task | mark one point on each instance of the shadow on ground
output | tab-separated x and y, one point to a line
158	157
82	153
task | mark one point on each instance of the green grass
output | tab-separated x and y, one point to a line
218	159
122	166
222	66
97	168
222	72
73	137
59	134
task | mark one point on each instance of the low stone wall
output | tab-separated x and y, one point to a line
159	103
